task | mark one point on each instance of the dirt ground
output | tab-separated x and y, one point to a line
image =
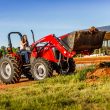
97	73
93	60
23	82
91	76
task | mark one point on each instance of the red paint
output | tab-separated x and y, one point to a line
47	52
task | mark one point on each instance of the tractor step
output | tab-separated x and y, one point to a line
26	65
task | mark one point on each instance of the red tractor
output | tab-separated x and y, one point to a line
47	54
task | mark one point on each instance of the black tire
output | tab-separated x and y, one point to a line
9	70
72	66
41	69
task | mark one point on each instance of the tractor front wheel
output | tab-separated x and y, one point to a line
9	70
41	69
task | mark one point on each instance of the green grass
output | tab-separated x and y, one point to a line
81	74
69	92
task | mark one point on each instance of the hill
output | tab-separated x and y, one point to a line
104	28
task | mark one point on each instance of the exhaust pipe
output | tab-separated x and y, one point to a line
33	36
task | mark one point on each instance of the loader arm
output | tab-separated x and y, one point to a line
51	39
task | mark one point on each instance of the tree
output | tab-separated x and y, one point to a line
3	50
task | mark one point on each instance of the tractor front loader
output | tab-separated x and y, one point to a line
59	52
48	54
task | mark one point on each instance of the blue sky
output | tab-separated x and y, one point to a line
50	16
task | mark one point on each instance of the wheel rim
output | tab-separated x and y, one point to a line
6	70
40	71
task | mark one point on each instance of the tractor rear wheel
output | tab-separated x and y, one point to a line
9	70
41	69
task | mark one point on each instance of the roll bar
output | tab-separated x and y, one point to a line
9	38
18	33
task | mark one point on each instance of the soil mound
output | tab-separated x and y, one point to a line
98	73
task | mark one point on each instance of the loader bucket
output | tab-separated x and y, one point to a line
84	40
